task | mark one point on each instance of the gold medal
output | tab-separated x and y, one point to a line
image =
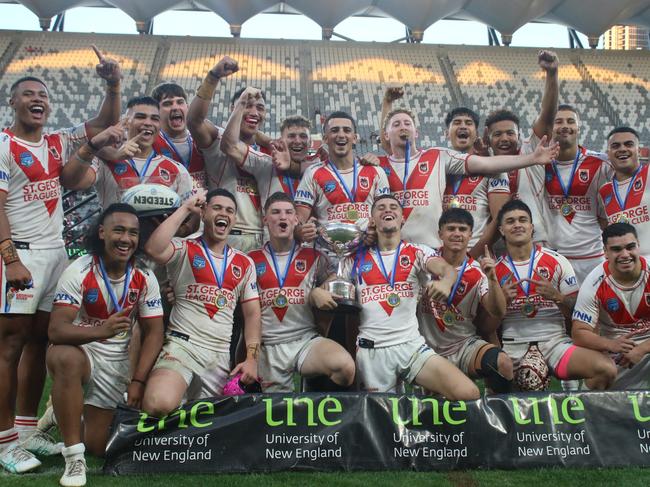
352	214
454	203
566	209
220	301
393	299
528	309
280	300
622	219
449	317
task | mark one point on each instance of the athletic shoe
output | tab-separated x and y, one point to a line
75	471
16	459
40	443
47	421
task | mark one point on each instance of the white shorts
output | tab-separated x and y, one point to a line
204	371
552	350
246	241
464	357
277	363
108	380
582	267
385	369
46	267
638	377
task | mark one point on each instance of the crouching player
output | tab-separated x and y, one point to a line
540	288
448	326
388	277
208	277
614	299
286	275
98	300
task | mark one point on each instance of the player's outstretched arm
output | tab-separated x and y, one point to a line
543	125
231	144
253	336
61	331
544	154
16	274
159	246
109	112
391	94
203	131
152	341
585	336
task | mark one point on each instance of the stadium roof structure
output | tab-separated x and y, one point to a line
591	17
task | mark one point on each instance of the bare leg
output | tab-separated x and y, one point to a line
598	370
97	423
164	392
327	357
440	375
13	331
31	369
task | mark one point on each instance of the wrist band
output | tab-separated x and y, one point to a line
208	87
92	146
9	252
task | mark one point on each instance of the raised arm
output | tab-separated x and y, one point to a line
544	154
231	144
543	125
391	94
494	301
109	112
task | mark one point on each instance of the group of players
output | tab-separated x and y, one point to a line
437	308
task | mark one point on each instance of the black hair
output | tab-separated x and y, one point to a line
618	230
278	196
456	215
567	107
623	130
340	114
95	245
220	192
142	100
511	206
166	90
238	93
462	111
15	84
501	116
385	197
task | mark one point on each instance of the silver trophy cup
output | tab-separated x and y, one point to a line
342	239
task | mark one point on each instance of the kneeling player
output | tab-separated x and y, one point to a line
614	297
388	276
98	300
208	278
286	275
448	326
540	288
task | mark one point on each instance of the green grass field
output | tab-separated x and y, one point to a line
48	475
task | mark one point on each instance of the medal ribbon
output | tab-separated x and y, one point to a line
145	168
629	188
350	194
390	279
531	266
457	181
117	305
288	181
407	159
457	283
567	189
178	154
281	277
218	276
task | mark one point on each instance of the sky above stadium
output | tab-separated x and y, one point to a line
274	26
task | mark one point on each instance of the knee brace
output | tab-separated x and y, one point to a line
490	372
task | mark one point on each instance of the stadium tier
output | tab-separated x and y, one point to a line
311	77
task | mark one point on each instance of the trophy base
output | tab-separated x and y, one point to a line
347	306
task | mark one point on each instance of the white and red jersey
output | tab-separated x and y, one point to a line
472	193
447	339
321	190
224	173
307	269
269	179
531	317
82	287
616	309
29	174
115	177
381	322
195	312
185	152
632	205
425	186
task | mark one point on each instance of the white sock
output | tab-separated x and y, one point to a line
8	438
25	425
74	450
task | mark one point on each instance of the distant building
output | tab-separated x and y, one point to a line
629	37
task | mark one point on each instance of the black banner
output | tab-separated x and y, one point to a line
271	432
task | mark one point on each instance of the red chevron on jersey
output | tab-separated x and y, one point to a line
268	283
334	192
203	274
467	186
43	186
585	173
376	282
247	181
165	173
616	308
282	178
419	173
196	167
611	204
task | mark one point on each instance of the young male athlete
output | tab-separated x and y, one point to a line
448	325
208	277
612	313
98	300
287	276
388	279
33	166
540	288
624	198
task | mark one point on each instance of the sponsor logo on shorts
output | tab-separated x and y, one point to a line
300	265
120	168
329	186
198	262
613	305
26	159
92	295
260	268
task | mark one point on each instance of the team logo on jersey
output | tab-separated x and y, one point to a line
236	271
646	296
583	175
474	179
26	159
638	184
260	268
423	167
607	199
404	260
612	305
329	186
462	287
364	182
55	153
543	272
387	171
165	176
300	265
366	266
120	168
133	296
92	295
549	177
198	262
